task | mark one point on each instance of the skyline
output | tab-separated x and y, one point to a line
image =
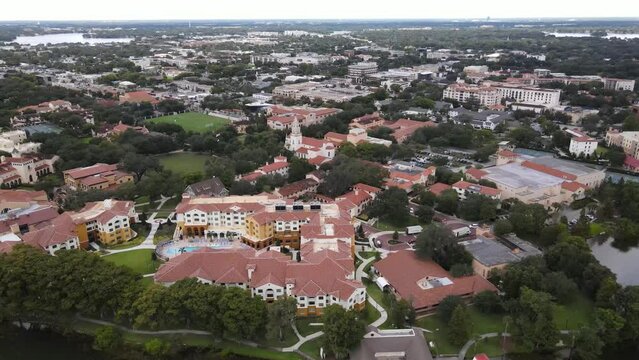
164	10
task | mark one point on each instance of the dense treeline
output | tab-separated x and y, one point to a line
39	288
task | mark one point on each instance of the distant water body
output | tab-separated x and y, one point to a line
625	264
66	38
579	35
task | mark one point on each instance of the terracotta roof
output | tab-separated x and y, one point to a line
274	166
631	162
367	188
507	153
573	186
49	236
318	160
405	272
438	188
548	170
82	172
138	97
296	187
23	196
476	173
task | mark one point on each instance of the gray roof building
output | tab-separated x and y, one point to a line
212	187
505	250
400	344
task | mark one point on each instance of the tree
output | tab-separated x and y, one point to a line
440	245
588	344
157	348
447	306
533	320
223	168
616	156
281	314
488	302
502	227
342	330
527	219
139	164
478	208
391	206
425	214
459	326
447	202
298	168
108	339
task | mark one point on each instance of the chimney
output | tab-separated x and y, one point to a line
250	268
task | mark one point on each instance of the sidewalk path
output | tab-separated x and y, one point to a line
359	274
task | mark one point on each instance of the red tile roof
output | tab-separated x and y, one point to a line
573	186
507	153
476	173
439	188
138	97
404	271
549	170
82	172
631	162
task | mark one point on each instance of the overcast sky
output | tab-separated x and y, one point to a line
304	9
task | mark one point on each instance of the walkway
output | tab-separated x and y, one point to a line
146	332
359	274
302	340
464	349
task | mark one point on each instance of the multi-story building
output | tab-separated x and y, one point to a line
279	166
619	84
361	70
337	90
58	234
491	93
322	277
542	180
405	175
24	170
108	222
262	220
367	122
581	144
486	96
356	200
15	136
316	151
464	188
627	140
282	117
96	177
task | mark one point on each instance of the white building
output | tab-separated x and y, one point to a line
362	69
619	84
581	144
486	96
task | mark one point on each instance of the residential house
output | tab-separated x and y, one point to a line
96	177
212	187
279	166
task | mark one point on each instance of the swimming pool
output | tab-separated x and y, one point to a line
174	248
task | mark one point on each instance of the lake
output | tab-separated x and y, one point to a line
17	343
75	38
579	35
624	264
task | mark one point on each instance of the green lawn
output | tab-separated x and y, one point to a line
289	340
141	200
138	260
312	348
192	121
574	315
257	353
184	162
596	229
304	325
385	226
372	290
481	324
601	151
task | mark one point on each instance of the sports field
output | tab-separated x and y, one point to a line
192	121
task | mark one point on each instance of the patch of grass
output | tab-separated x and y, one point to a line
367	254
184	162
254	352
596	229
373	291
147	281
289	339
601	150
142	200
386	226
312	348
481	324
192	121
304	325
370	314
139	261
574	315
163	234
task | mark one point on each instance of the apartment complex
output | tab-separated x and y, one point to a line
96	177
321	278
108	222
491	94
282	117
264	220
627	140
486	96
15	171
279	166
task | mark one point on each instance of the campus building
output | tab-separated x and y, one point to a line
15	171
96	177
316	151
264	220
322	277
282	117
108	222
